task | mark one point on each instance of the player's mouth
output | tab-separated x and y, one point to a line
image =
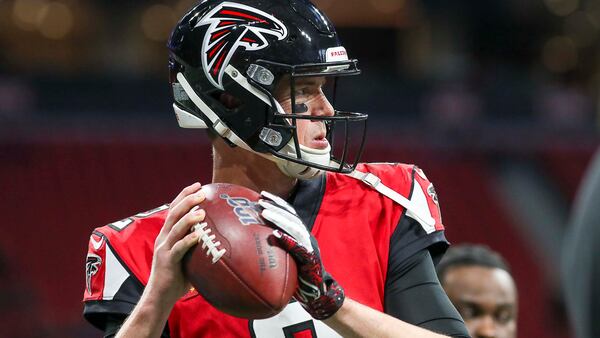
319	142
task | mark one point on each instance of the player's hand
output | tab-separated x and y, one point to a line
317	291
166	279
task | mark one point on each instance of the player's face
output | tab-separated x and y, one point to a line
309	100
486	299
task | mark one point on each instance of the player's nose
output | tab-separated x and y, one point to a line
486	328
322	107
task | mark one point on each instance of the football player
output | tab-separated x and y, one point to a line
254	73
479	284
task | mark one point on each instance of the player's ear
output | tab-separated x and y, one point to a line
229	101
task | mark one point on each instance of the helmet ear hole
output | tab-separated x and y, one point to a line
229	101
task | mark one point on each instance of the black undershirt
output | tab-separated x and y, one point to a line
414	294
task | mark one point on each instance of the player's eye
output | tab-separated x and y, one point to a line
300	108
504	316
469	312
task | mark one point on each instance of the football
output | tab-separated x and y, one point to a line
233	266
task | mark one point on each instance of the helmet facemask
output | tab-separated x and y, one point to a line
345	131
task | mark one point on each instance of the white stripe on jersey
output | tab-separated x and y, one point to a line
420	207
114	275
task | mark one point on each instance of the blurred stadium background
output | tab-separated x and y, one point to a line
498	101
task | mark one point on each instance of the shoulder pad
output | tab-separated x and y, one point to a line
390	179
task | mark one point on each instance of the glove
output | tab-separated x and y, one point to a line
319	294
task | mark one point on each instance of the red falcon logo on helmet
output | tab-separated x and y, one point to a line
231	26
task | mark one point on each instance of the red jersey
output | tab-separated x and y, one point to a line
361	234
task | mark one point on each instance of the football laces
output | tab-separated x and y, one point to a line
208	242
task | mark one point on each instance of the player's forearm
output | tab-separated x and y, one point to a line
356	320
148	319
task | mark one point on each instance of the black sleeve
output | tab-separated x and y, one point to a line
113	324
97	311
410	237
414	295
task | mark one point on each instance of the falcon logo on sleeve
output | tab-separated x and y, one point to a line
231	26
92	266
431	192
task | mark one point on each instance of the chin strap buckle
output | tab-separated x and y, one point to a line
221	129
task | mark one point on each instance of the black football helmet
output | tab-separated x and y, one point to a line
246	48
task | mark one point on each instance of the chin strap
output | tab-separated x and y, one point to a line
416	208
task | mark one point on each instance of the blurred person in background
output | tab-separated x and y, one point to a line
479	284
581	257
